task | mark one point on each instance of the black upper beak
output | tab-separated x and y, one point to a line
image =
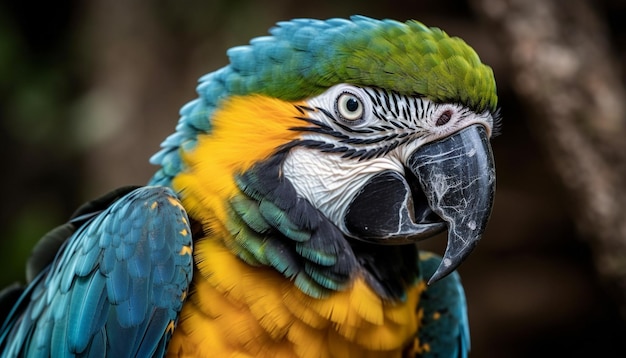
457	174
456	189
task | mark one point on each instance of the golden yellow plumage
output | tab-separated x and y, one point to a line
245	131
237	308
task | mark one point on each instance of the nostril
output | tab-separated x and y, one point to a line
444	118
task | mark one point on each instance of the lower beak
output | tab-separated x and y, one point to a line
457	176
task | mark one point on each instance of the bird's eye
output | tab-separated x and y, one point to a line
444	118
349	107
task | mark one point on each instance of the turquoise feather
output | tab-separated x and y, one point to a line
445	326
119	277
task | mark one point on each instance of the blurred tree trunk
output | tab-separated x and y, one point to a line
563	72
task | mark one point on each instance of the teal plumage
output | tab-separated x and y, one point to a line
446	326
125	267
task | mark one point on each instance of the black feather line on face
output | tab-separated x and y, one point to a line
346	145
342	126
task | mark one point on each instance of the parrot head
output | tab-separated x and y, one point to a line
338	135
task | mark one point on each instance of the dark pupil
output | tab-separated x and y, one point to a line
352	105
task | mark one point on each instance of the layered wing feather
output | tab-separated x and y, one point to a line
115	287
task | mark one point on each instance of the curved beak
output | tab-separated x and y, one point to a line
450	184
457	176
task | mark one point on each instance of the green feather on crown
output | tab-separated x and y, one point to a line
304	57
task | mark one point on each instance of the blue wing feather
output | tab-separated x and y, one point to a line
114	287
86	301
445	328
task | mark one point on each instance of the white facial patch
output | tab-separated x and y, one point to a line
329	181
358	132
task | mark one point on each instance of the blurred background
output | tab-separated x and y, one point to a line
89	89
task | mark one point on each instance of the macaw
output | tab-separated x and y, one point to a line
284	216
